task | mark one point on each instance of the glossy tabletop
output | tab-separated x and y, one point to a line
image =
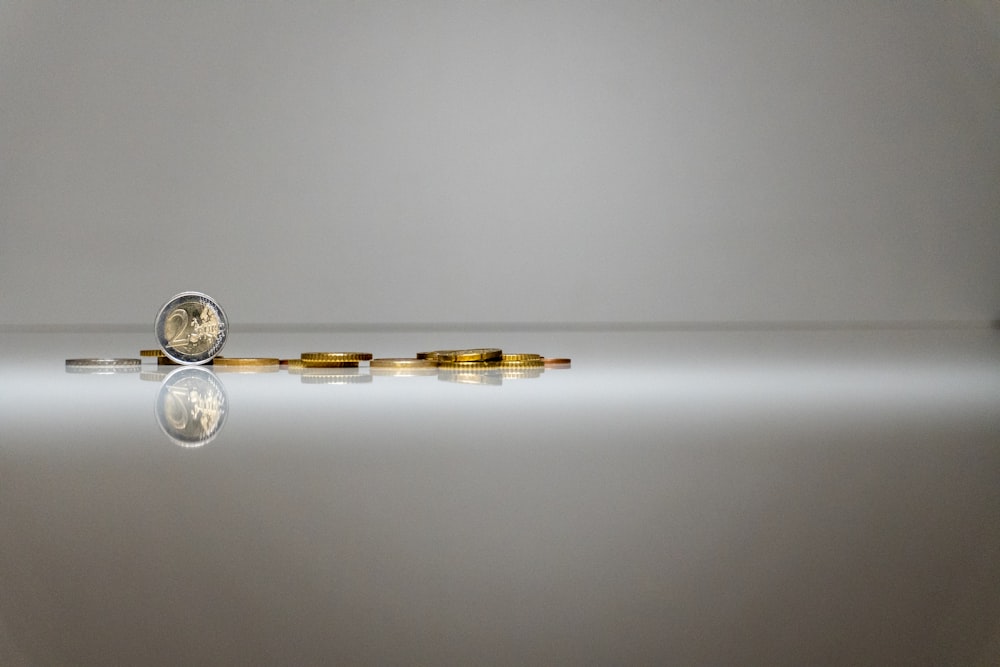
674	497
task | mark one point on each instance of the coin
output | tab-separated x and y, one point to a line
522	363
520	357
104	363
152	353
470	365
475	354
335	356
191	328
557	362
246	361
389	362
433	356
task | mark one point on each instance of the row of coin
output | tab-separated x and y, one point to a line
467	359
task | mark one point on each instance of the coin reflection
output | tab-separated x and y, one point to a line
191	407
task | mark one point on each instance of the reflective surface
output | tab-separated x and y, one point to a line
807	497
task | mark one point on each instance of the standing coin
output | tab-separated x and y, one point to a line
191	328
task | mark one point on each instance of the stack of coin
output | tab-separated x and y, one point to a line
334	359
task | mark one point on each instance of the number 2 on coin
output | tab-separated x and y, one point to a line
181	337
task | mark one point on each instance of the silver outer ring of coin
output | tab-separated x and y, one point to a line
104	363
191	359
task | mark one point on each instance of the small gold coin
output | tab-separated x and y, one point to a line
520	357
470	365
336	356
246	361
522	363
558	362
309	363
388	362
152	353
474	354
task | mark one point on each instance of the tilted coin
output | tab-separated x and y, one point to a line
104	363
433	356
475	354
191	328
388	362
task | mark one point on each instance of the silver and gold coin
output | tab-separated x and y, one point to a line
191	328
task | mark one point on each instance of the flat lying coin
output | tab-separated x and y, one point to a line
246	361
335	356
520	357
402	363
522	363
470	365
104	363
556	361
191	328
152	353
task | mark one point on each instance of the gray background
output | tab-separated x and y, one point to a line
501	162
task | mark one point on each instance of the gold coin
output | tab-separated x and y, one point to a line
470	365
474	354
522	363
309	363
520	357
435	355
152	353
388	362
291	363
336	356
556	361
246	361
